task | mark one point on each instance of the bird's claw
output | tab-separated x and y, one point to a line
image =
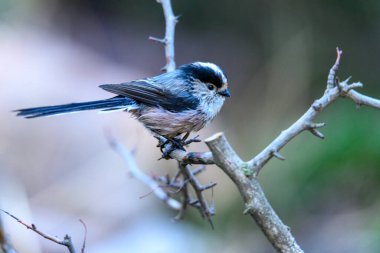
176	143
194	139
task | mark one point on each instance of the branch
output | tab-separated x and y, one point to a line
65	242
198	188
138	174
306	121
244	174
168	41
256	203
361	99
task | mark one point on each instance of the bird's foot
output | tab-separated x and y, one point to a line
187	142
168	145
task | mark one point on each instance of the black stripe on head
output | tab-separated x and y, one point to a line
205	72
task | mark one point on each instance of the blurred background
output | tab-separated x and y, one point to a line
276	54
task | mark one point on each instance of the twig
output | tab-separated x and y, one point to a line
85	235
361	99
138	174
198	188
256	203
65	242
305	122
334	68
168	41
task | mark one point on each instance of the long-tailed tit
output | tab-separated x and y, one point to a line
170	104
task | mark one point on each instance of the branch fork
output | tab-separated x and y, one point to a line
245	174
66	241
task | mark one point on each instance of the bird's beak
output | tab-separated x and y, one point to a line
225	93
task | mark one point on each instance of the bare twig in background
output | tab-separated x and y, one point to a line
161	186
66	241
85	235
168	41
139	175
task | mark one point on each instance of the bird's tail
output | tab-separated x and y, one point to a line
115	103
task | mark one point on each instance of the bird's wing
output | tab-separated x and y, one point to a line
145	92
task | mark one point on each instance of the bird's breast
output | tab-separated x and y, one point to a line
171	124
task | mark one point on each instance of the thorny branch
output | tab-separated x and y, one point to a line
306	121
66	241
165	187
168	40
185	176
244	174
138	174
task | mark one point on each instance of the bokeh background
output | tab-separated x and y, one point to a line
276	54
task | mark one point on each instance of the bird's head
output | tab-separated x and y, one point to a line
208	84
208	79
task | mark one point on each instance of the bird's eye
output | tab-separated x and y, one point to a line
210	86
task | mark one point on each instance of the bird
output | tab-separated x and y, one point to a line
169	105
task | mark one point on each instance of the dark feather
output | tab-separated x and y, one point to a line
144	92
106	104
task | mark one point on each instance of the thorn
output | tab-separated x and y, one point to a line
278	155
338	52
199	169
210	221
317	133
194	202
246	210
162	41
212	210
210	185
150	192
315	125
347	80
